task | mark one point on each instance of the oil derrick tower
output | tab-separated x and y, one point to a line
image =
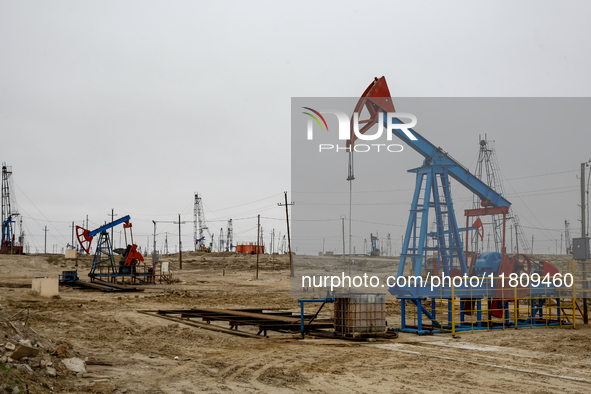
195	223
567	239
9	213
221	240
200	226
375	251
487	170
229	237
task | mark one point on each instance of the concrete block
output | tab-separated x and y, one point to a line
70	254
24	351
74	365
46	287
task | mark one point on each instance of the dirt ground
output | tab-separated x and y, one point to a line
146	354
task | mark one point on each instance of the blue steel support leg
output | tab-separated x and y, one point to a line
454	234
302	318
403	313
449	314
424	223
419	315
462	308
412	218
439	222
479	312
433	310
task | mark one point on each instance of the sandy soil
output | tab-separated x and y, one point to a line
141	349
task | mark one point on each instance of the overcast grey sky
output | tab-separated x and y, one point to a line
135	105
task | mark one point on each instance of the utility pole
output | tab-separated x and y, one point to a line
180	245
288	236
583	223
584	235
273	249
112	220
72	244
532	244
45	248
180	239
343	225
154	250
516	239
258	235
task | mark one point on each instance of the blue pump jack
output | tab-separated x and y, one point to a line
432	194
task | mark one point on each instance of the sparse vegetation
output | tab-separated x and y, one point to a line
53	259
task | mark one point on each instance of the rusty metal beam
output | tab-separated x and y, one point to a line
202	325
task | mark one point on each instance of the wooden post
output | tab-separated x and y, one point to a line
258	235
180	246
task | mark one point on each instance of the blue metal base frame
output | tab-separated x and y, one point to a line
533	320
302	302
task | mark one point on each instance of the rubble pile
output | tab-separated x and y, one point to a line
28	359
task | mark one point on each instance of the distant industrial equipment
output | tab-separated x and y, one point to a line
250	248
567	237
375	251
200	227
221	241
230	237
487	170
10	244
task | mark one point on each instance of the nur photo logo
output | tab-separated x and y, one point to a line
349	130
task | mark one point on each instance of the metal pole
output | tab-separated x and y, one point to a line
583	223
343	224
273	248
112	220
516	239
180	246
584	235
154	250
288	235
258	236
45	248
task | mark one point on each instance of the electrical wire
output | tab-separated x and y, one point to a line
27	197
547	174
